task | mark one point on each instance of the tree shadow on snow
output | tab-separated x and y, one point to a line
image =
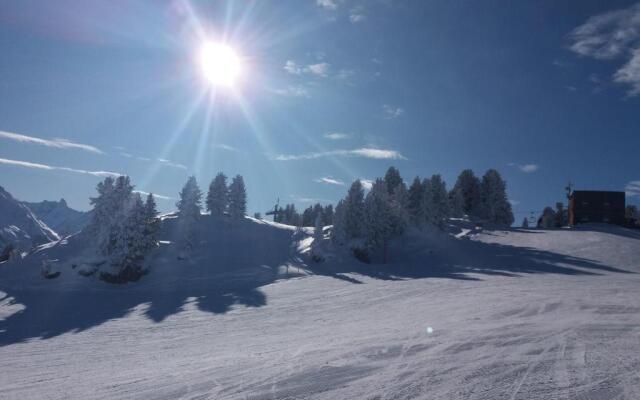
461	259
234	278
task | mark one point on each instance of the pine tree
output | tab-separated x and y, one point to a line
151	222
438	202
525	222
327	215
415	202
339	232
237	198
218	196
354	211
398	206
469	186
307	216
317	232
547	220
494	206
456	203
392	180
189	205
378	216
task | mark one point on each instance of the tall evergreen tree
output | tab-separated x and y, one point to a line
327	215
354	211
392	180
415	202
456	203
237	198
438	202
151	222
190	202
469	186
495	207
339	231
378	216
218	196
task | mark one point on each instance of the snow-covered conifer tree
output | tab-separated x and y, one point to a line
327	215
398	205
392	180
237	198
525	222
456	203
438	202
495	207
190	202
378	216
339	232
469	186
317	232
354	211
151	222
416	202
218	195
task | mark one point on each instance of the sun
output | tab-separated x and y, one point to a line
220	64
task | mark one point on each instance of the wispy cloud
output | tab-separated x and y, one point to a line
526	168
291	91
168	163
327	4
57	143
157	196
391	112
337	136
224	147
632	188
609	36
320	69
27	164
357	14
330	181
362	152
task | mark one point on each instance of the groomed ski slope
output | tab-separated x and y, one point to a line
492	315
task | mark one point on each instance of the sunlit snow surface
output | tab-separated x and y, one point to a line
490	315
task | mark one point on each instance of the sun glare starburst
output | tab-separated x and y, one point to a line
220	64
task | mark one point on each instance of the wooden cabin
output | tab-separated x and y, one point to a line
596	206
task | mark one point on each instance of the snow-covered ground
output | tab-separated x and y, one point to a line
522	314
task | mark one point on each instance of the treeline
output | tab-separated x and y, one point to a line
369	222
290	216
125	228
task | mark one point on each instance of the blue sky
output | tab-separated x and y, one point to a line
330	91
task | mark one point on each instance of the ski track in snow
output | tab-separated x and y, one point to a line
517	335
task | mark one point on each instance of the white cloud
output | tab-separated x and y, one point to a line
612	35
362	152
291	67
527	168
303	199
224	147
168	163
367	184
391	112
330	181
319	69
514	202
337	136
327	4
291	91
157	196
632	188
27	164
357	15
57	143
